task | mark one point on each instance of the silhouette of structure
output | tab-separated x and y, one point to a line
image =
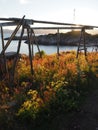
25	24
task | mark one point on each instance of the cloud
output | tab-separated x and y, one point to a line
24	1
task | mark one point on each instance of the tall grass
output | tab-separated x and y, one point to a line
58	86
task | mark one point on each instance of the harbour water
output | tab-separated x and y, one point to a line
47	49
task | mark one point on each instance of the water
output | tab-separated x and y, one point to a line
48	49
53	49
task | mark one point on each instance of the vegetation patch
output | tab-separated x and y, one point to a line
57	87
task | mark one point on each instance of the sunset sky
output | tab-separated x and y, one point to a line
86	11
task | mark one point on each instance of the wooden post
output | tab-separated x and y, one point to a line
32	47
36	43
58	41
85	49
11	74
3	58
17	54
2	37
82	43
29	47
31	41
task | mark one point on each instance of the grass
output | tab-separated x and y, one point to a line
50	96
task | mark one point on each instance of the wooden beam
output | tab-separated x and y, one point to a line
16	20
31	21
59	23
17	53
55	23
8	24
13	35
35	21
55	28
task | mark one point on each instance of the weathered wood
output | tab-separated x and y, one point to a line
17	53
2	37
8	24
13	35
16	20
55	28
25	23
31	43
36	42
81	45
29	47
4	57
60	23
16	38
58	37
32	21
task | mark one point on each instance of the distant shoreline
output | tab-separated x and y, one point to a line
65	39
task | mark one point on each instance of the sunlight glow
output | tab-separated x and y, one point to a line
86	17
24	1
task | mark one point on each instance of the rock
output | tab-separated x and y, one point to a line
71	38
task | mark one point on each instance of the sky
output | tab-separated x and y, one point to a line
67	11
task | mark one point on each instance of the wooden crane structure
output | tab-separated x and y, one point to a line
25	24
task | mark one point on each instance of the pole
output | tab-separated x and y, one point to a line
58	41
